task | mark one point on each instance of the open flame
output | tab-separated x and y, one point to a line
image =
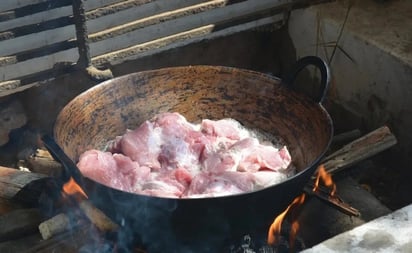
72	188
326	179
276	226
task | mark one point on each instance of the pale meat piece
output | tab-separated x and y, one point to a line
169	157
117	171
265	178
257	157
168	183
228	183
143	145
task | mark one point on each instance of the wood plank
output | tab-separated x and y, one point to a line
93	4
155	19
178	40
6	5
36	18
137	12
36	65
36	40
163	28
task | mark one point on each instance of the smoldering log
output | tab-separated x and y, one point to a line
62	222
54	226
97	217
69	241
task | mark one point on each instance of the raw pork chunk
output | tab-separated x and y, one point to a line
169	157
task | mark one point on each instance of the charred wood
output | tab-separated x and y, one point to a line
356	151
360	149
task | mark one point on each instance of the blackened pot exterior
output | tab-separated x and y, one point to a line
257	100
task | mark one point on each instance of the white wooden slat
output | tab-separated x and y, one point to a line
179	40
6	5
36	65
137	12
182	24
36	18
93	4
36	40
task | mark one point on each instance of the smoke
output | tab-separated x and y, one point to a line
159	225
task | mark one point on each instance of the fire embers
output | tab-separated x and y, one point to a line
326	179
292	212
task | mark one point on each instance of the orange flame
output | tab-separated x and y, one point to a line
275	228
327	180
72	188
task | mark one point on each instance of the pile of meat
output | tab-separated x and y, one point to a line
170	157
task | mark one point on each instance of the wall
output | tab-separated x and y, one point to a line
372	68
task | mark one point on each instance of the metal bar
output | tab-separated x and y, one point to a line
335	201
79	15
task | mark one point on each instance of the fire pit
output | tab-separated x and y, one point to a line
91	229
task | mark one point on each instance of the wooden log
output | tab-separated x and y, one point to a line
21	186
62	222
70	241
360	149
97	217
356	151
7	206
42	162
54	226
18	223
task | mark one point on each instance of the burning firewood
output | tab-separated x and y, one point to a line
54	226
359	149
73	191
78	199
62	222
97	217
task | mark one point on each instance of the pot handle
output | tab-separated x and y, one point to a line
303	63
70	168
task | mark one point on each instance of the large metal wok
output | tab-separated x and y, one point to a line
257	100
